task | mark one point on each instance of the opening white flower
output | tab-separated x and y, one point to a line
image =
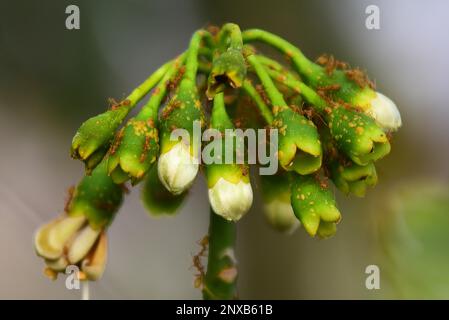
280	215
385	112
71	240
231	200
177	168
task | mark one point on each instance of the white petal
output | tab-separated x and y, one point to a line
281	216
230	200
82	244
177	168
384	110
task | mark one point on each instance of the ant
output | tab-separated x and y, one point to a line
199	277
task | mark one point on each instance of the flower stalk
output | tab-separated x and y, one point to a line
221	276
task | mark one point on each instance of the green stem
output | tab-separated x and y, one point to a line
232	33
150	109
139	92
220	119
221	275
261	105
208	40
206	52
192	55
304	65
204	67
273	93
282	75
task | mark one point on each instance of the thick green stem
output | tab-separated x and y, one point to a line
206	52
231	32
273	93
221	275
192	55
220	119
304	65
282	75
139	92
204	67
255	96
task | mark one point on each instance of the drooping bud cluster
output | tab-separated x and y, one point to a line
331	126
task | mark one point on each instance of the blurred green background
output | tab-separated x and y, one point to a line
51	79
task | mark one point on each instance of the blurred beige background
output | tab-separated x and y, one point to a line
52	79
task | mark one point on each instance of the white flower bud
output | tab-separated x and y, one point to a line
281	216
177	168
230	200
385	112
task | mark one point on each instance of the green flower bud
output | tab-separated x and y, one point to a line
299	144
95	158
96	197
137	145
353	178
136	151
95	135
357	135
276	197
157	199
78	237
350	86
314	205
228	68
326	229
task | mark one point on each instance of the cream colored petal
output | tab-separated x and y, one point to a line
94	264
41	242
50	239
58	264
82	244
